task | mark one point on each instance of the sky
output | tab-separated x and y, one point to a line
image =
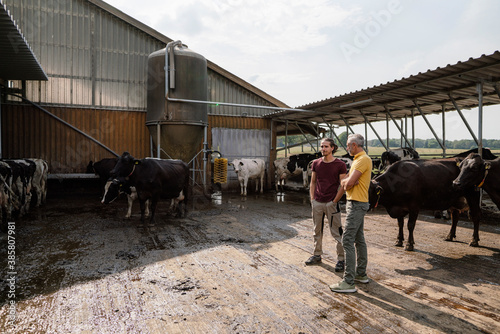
304	51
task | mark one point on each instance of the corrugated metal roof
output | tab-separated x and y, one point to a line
17	60
429	92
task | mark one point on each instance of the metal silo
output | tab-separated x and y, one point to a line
179	125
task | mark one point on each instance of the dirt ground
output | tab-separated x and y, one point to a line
236	265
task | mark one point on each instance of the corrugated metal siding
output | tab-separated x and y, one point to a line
28	132
242	137
92	58
221	89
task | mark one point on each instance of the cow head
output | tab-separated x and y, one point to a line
472	172
113	189
125	165
237	164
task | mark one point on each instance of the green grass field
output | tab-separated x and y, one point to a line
377	151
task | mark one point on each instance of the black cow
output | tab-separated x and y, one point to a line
486	153
154	178
410	185
477	172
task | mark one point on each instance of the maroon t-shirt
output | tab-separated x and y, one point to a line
327	178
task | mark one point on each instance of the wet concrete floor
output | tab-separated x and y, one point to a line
236	265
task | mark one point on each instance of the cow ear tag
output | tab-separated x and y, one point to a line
487	166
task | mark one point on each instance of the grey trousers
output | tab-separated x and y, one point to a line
321	210
353	240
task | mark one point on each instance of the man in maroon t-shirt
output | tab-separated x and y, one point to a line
327	172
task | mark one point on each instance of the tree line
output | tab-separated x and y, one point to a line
465	144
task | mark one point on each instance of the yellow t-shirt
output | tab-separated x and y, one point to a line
363	163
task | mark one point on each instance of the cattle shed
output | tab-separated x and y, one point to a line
92	102
467	84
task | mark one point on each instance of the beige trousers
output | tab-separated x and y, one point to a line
319	212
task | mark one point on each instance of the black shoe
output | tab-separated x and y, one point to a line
313	260
339	266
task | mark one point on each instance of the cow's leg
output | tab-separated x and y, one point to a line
242	186
412	219
154	202
245	183
130	200
256	185
148	204
142	204
401	237
454	221
262	183
475	212
304	179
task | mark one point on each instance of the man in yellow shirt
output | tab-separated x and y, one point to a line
356	186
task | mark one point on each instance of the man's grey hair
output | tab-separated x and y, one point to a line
356	138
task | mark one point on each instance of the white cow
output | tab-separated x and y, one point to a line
250	169
281	172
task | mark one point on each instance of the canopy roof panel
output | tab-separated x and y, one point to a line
17	60
447	88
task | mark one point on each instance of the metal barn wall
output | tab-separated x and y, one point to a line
96	61
220	89
92	58
29	132
242	129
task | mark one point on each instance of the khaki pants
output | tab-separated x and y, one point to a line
319	212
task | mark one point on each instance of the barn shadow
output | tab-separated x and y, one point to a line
74	239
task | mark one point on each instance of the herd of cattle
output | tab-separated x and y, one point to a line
404	186
23	183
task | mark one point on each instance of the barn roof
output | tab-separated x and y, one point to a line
17	60
446	88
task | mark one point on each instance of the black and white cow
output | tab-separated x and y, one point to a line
249	169
39	181
117	186
102	168
154	179
281	173
300	164
391	156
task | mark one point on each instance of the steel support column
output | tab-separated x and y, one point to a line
464	119
396	123
387	139
373	129
348	127
428	124
443	110
333	132
479	88
413	127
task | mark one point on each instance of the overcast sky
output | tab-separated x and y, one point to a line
303	51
